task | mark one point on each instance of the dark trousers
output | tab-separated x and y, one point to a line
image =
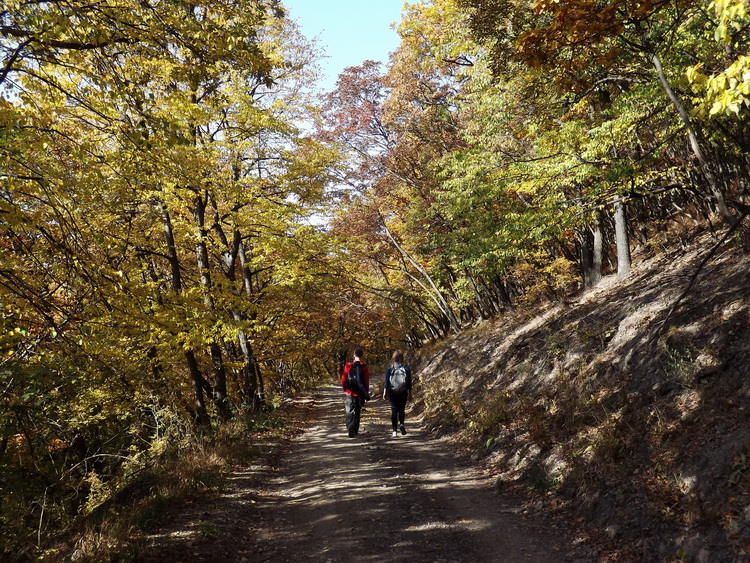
352	407
398	407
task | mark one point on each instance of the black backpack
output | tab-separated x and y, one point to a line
355	380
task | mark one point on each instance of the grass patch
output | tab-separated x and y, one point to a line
445	408
490	414
151	513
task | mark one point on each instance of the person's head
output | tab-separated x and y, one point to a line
398	357
359	353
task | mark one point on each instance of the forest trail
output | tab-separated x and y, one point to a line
331	498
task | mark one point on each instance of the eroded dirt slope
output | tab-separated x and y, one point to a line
616	410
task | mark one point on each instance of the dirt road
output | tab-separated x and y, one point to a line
331	498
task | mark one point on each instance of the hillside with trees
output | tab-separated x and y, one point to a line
189	234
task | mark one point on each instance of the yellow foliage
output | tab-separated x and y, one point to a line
727	92
545	278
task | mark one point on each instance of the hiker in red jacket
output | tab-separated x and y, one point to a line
355	379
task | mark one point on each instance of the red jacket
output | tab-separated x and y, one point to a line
345	374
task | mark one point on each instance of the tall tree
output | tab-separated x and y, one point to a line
106	145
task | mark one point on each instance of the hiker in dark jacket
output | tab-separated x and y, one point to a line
357	396
397	390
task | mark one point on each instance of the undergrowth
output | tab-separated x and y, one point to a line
186	463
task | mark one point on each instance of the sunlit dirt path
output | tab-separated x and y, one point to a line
332	498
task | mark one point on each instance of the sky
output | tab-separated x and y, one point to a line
349	32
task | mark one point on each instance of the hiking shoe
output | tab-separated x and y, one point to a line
403	429
395	433
352	431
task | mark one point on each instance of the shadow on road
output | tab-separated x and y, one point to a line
331	498
381	498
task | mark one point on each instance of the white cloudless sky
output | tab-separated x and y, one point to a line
348	31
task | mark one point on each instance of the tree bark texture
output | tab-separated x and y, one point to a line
695	144
196	377
622	240
217	362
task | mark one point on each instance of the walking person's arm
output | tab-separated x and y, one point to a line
366	374
408	382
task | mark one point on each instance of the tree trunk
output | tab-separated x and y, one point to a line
591	252
621	238
484	312
199	385
231	252
253	378
432	290
259	379
598	250
217	361
249	384
695	144
501	290
196	377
